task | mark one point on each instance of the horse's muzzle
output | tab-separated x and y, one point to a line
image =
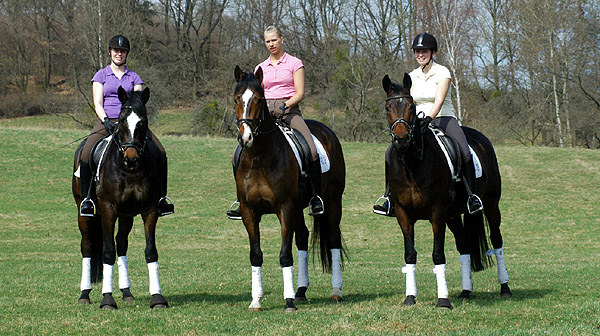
131	158
245	136
401	143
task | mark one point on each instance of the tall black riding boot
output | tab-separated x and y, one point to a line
474	203
87	208
234	211
165	205
316	202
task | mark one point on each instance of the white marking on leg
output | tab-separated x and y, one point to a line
86	276
442	286
288	282
154	286
336	269
132	121
303	279
107	272
502	273
257	289
123	272
411	282
467	281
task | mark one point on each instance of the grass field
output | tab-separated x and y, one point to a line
551	228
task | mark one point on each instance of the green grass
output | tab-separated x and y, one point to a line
551	228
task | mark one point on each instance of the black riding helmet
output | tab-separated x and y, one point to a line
424	41
119	42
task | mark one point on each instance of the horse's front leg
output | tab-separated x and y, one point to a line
125	225
150	219
439	260
251	222
109	217
289	219
410	254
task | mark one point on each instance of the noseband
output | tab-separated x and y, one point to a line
409	126
123	146
254	124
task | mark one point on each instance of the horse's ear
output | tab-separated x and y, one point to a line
387	84
122	94
406	82
259	74
145	95
238	73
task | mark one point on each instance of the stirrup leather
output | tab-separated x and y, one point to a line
380	212
470	200
86	200
311	208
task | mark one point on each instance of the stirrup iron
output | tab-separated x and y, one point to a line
231	214
310	206
85	200
170	207
380	212
477	209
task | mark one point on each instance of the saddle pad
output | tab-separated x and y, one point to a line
325	165
77	172
478	169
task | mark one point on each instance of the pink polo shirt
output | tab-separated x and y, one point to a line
279	81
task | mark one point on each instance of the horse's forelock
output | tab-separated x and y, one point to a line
248	81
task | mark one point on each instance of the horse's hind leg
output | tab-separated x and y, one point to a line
492	213
301	235
290	219
125	225
334	243
462	245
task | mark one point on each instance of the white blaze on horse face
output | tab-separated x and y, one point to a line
246	97
132	121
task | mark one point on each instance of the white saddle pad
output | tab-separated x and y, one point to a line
325	164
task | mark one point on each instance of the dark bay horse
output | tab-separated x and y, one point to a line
267	181
127	185
422	187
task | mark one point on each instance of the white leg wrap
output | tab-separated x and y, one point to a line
257	288
442	286
107	272
502	273
288	282
303	268
336	269
411	282
123	272
86	276
154	286
467	281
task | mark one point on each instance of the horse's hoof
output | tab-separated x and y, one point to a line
465	294
301	294
84	301
410	300
337	298
254	309
84	298
290	306
158	301
108	302
443	303
127	296
505	290
300	298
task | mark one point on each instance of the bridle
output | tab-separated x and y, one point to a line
254	124
123	146
410	127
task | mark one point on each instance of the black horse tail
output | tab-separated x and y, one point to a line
323	241
475	225
97	246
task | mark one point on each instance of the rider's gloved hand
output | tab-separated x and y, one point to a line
425	123
109	125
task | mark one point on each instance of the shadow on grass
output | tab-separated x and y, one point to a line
493	298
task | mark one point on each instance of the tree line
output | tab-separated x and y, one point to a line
524	71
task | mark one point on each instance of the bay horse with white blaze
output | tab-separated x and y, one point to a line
127	185
422	187
267	181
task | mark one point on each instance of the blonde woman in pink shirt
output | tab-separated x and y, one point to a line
283	80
